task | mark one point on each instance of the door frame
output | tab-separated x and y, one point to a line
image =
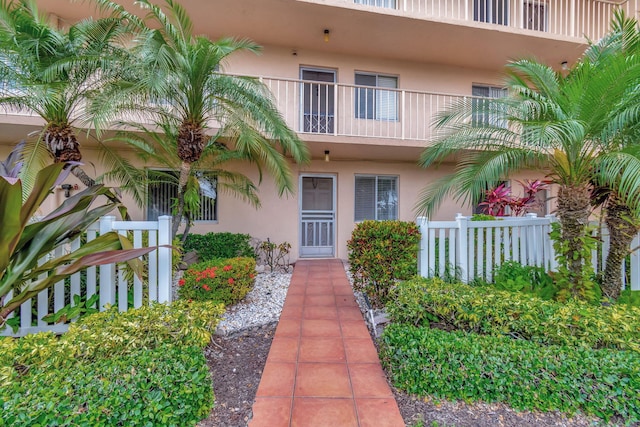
334	197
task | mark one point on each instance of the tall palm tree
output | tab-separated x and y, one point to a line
176	82
568	126
52	72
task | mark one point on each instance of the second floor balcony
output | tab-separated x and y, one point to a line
317	110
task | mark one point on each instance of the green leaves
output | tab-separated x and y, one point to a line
525	375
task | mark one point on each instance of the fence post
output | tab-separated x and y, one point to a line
108	271
423	255
463	245
634	284
164	259
551	264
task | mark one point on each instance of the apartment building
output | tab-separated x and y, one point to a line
360	81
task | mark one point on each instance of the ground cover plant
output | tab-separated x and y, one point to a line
223	280
489	311
139	368
525	375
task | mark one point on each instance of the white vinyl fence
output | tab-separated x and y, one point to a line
468	249
112	285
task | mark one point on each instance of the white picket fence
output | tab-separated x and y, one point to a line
110	283
470	249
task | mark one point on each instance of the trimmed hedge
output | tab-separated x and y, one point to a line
219	245
380	253
522	374
489	311
223	280
138	368
167	386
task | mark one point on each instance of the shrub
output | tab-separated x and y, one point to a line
138	368
522	374
515	277
629	297
212	246
227	280
494	312
169	386
381	252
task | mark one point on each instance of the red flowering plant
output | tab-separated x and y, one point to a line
222	280
499	198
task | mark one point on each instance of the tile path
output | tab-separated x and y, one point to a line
323	369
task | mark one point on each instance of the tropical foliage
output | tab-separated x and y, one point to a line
575	127
176	81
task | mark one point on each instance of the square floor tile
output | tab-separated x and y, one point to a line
319	300
320	313
294	300
283	349
342	289
271	412
308	412
296	289
346	301
321	328
349	313
288	328
368	380
277	380
354	329
320	289
379	413
322	380
316	349
292	312
360	350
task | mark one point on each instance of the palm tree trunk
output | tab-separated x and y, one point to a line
85	179
185	172
622	226
573	212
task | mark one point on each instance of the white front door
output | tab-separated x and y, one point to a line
317	216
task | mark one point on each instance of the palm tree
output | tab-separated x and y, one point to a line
52	72
176	82
568	126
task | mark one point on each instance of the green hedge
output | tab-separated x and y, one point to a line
219	245
223	280
139	368
489	311
380	253
167	386
522	374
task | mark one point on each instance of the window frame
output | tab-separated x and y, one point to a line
485	118
396	213
213	206
373	92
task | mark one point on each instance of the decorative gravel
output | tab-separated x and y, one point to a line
262	305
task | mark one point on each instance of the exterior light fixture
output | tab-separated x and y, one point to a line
565	65
326	35
326	155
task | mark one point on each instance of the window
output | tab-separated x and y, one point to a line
163	190
391	4
539	207
491	11
376	197
535	15
482	109
376	104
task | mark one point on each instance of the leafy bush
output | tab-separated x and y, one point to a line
219	245
138	368
169	386
515	277
494	312
381	252
629	297
225	280
522	374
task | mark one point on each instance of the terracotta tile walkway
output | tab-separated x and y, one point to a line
323	369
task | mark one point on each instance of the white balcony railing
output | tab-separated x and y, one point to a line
320	108
568	18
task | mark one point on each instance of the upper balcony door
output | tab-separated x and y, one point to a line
318	100
491	11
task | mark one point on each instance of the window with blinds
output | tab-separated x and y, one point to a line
376	104
482	114
162	192
390	4
376	197
491	11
